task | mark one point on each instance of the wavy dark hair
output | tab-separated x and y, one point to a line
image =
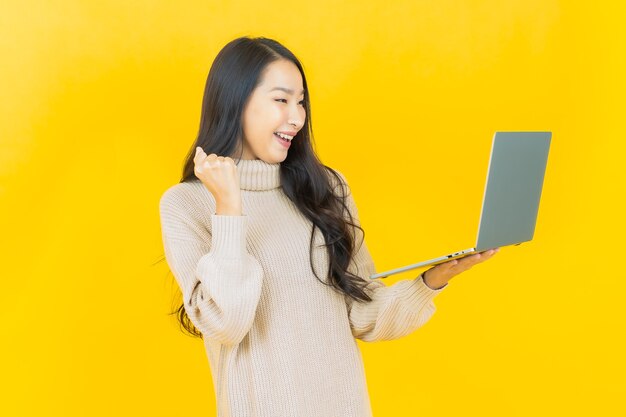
234	74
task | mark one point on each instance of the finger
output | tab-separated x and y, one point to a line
474	259
199	156
201	159
449	264
465	259
209	162
481	257
230	163
457	266
489	253
469	261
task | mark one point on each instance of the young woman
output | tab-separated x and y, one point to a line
265	243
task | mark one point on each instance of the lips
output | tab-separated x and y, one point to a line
287	132
286	143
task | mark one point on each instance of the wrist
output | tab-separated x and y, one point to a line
432	284
228	208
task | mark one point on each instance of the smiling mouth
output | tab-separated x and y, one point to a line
286	141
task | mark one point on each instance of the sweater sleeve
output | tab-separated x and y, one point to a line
220	281
396	310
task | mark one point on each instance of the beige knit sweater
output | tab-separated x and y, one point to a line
279	342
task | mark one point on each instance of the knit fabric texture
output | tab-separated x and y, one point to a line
279	342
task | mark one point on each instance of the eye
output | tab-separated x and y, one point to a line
285	100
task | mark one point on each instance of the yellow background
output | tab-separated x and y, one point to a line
101	101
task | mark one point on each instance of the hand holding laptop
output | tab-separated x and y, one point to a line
442	273
510	202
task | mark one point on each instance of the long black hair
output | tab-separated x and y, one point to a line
234	74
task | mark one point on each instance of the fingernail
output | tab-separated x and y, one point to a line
197	150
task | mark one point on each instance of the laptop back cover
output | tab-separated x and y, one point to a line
513	189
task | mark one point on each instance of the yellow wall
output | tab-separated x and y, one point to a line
101	101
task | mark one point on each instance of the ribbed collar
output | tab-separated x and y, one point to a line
258	175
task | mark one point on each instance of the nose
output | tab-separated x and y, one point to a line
297	119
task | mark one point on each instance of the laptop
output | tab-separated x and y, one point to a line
511	199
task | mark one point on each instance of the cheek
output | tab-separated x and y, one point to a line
274	117
268	117
261	118
279	110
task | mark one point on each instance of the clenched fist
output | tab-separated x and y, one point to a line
220	176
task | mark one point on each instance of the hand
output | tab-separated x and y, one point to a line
220	176
442	273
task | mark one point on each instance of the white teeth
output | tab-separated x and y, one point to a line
283	136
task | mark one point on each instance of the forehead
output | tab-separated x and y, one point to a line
282	75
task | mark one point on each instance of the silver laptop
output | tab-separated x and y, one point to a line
511	200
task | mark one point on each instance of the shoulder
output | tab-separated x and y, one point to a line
185	210
184	198
337	180
178	194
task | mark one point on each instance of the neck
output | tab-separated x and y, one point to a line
258	175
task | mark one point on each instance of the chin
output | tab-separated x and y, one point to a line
275	158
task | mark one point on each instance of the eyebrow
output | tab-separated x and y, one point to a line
286	90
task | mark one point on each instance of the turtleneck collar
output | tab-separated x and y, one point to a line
258	175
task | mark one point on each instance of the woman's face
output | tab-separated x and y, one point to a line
275	105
